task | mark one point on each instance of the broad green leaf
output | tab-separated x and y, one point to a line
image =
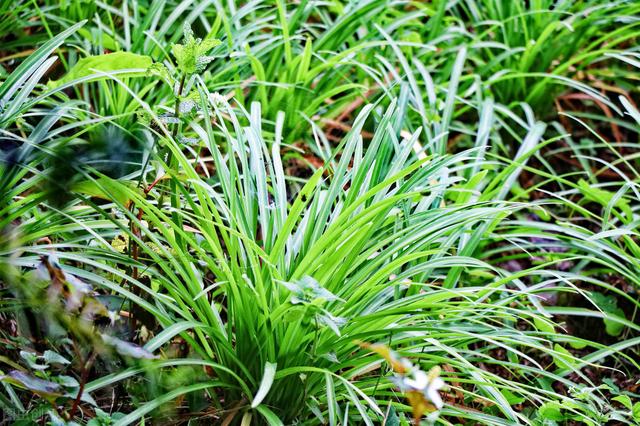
543	325
578	344
624	400
95	65
104	188
551	411
612	327
511	397
635	411
563	358
466	189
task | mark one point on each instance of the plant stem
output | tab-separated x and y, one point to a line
173	187
86	368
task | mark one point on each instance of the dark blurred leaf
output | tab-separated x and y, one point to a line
609	304
32	383
67	381
111	302
128	349
392	418
33	360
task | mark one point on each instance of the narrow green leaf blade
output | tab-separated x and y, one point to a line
265	384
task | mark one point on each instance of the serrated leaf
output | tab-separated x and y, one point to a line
191	56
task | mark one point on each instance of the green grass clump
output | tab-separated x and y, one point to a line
321	213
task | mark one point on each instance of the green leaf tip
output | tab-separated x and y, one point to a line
191	56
